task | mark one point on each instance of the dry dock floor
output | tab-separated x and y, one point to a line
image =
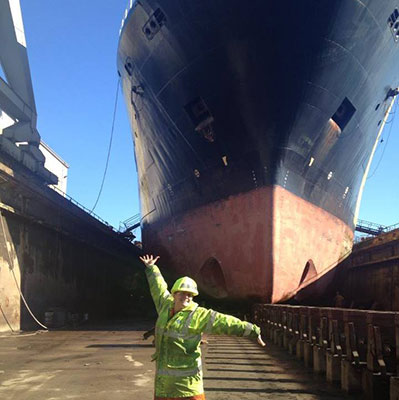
113	363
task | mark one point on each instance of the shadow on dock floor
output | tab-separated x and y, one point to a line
114	363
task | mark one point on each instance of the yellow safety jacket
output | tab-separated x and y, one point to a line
178	337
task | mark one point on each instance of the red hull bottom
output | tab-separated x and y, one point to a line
265	244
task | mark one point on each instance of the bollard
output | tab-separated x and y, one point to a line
299	351
394	382
351	366
334	354
359	348
287	329
308	354
303	333
375	378
278	337
351	376
394	388
319	350
292	344
311	338
333	367
295	334
319	359
375	385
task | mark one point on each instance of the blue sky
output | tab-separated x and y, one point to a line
72	50
380	202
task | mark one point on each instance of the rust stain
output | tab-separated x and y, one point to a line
262	240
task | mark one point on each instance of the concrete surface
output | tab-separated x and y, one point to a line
114	363
62	257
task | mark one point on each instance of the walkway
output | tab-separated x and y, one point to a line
114	363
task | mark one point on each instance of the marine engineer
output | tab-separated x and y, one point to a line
178	332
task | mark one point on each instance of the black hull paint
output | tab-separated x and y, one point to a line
225	97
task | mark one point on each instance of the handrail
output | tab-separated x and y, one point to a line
81	206
392	227
372	229
369	224
131	223
132	220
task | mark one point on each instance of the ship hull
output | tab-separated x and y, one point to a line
248	246
253	127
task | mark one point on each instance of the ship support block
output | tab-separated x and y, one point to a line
319	359
351	376
308	354
359	349
300	349
394	388
333	367
375	385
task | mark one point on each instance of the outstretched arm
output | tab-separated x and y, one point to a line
223	324
158	287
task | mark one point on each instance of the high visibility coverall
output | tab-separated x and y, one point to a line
178	337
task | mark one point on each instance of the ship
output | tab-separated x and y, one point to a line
254	126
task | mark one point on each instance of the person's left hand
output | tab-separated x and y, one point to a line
149	260
260	341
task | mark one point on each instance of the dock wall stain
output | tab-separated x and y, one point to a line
62	258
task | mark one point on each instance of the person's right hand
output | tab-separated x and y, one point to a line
260	341
149	260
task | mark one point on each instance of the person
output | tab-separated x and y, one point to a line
178	332
339	300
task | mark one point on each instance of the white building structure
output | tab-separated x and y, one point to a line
5	121
52	161
55	164
19	138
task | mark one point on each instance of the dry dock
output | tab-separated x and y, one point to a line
113	362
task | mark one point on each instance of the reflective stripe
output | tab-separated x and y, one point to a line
166	294
187	285
157	274
248	329
182	335
209	325
184	332
180	372
173	372
188	321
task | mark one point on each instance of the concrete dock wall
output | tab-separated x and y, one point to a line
10	302
62	257
370	276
